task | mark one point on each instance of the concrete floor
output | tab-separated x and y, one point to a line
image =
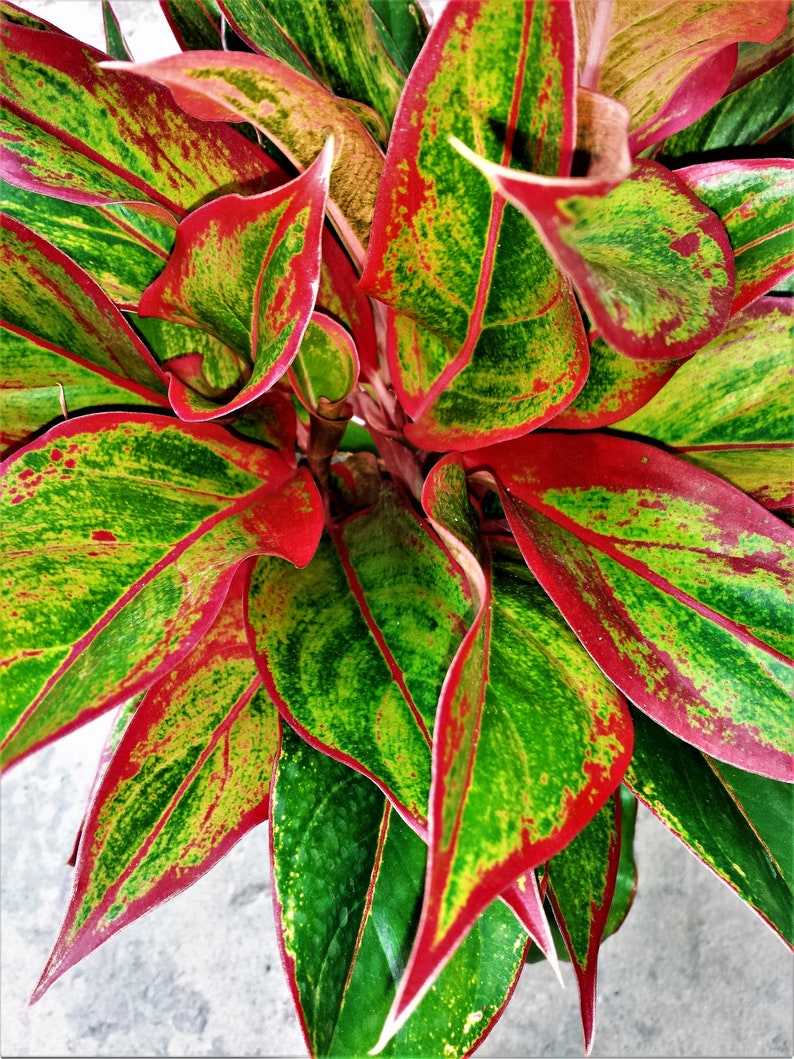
692	973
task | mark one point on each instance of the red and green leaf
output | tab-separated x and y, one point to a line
122	533
348	879
753	200
375	620
295	112
699	803
336	41
74	131
581	881
115	43
678	585
729	409
247	270
486	337
754	113
120	246
652	265
66	345
616	386
506	794
326	366
668	63
189	777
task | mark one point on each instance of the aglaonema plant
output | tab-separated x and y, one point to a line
398	438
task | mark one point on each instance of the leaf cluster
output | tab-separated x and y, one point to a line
397	437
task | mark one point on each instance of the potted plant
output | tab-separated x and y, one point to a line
397	437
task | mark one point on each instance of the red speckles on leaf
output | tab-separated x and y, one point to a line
105	536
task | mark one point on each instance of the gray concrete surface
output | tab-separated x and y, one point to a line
692	973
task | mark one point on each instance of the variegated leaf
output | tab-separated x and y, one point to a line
336	41
121	245
652	265
757	111
581	881
247	270
486	338
753	199
678	585
696	800
668	63
95	136
66	346
122	534
189	777
729	408
616	386
506	795
196	24
375	619
293	111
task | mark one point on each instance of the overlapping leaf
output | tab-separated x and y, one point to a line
486	336
196	24
652	265
65	344
616	387
699	804
121	534
336	41
668	63
247	270
120	245
729	408
348	880
355	647
403	29
507	793
677	584
94	136
581	886
753	200
190	775
758	110
293	111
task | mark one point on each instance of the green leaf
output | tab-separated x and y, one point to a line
678	785
247	271
122	533
751	115
189	777
66	345
97	136
581	886
196	24
296	113
117	46
121	245
728	409
348	877
334	40
486	338
668	63
402	27
753	200
652	265
375	620
678	585
626	881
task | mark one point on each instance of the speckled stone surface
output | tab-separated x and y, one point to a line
692	972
